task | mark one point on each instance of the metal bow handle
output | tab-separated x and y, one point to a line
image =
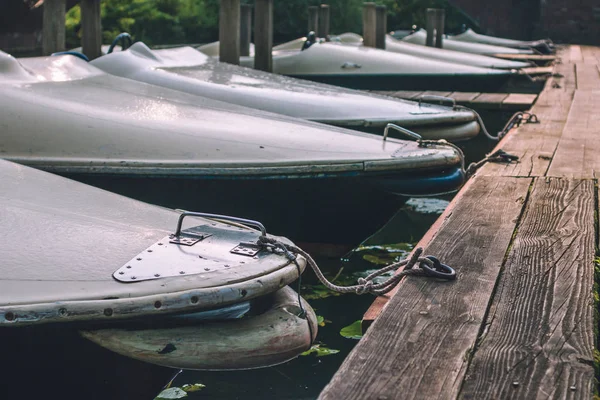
243	221
407	132
430	97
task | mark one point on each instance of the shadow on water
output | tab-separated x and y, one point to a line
56	362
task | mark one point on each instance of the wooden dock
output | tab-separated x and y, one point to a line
485	101
520	320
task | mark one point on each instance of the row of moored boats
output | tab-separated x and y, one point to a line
178	129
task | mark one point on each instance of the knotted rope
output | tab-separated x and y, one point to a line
427	266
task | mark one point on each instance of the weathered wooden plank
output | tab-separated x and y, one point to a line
539	339
564	76
519	99
379	303
417	347
53	26
579	146
535	144
588	76
589	55
575	55
464	97
436	93
489	100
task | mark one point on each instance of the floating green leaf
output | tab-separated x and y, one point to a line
171	393
315	292
320	350
322	321
194	387
352	331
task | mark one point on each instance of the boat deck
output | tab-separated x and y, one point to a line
520	320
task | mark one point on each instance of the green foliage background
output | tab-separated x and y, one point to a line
196	21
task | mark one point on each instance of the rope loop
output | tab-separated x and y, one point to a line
426	266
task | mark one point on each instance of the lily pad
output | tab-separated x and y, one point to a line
353	331
320	350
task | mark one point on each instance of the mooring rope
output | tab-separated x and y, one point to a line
517	119
498	156
427	266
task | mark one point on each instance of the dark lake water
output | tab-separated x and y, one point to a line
54	362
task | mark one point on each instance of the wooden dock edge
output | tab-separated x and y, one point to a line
521	319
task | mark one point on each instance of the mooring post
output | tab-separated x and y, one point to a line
53	26
229	31
263	35
439	27
313	19
323	21
435	27
369	24
91	28
245	29
381	27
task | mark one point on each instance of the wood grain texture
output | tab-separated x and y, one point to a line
263	35
535	144
53	26
588	76
417	348
489	99
245	29
579	146
539	339
324	19
464	97
369	20
229	31
575	54
91	26
519	99
379	303
381	26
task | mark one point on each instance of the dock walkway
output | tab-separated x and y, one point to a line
520	320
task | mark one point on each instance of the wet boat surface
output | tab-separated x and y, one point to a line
188	70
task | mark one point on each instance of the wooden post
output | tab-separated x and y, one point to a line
369	24
91	27
245	29
229	31
53	26
263	35
381	27
323	24
439	27
313	19
435	27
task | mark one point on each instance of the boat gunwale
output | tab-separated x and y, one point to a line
182	301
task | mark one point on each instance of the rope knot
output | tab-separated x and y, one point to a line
365	286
